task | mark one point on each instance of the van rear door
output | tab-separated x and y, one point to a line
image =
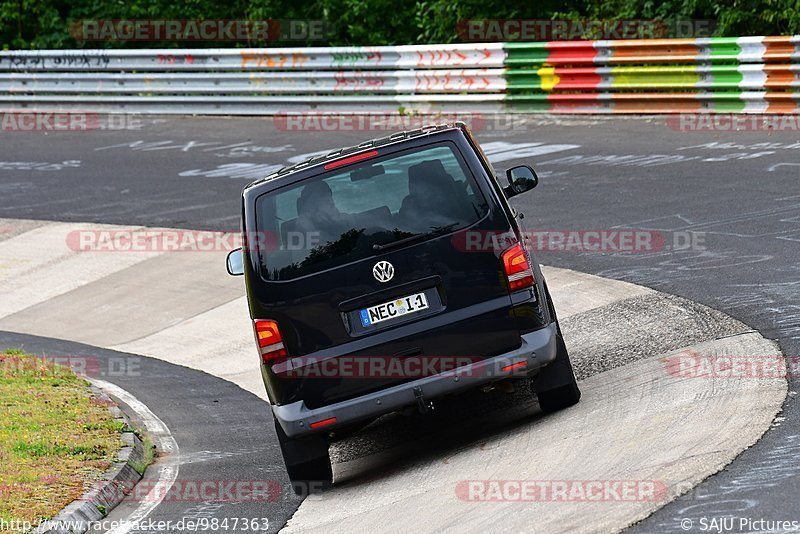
382	264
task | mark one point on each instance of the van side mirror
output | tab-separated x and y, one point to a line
520	180
235	262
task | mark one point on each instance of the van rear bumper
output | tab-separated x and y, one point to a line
538	349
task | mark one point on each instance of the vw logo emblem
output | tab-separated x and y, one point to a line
383	271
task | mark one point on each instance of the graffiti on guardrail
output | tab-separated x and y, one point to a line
188	59
358	80
43	61
343	59
270	60
452	58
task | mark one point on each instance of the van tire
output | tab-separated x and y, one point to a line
556	386
559	398
307	461
559	371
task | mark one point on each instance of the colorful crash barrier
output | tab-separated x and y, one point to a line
730	75
744	74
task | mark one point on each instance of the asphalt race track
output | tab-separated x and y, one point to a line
726	206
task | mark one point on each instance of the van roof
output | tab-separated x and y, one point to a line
373	143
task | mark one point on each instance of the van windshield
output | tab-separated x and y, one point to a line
347	215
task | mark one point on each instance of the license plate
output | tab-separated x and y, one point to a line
393	309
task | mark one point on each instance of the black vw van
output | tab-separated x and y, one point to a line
382	276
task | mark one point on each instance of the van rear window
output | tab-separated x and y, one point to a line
338	217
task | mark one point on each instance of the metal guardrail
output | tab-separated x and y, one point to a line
745	74
247	59
705	77
304	82
651	51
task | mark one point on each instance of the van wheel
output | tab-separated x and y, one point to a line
556	386
307	461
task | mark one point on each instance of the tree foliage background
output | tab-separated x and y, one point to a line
39	24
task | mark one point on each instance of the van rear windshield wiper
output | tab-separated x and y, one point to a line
413	238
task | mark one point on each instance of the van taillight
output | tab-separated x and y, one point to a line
270	341
517	267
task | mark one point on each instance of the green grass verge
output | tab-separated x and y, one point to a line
56	438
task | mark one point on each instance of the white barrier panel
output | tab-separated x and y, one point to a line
456	56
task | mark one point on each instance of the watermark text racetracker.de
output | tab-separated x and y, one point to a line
88	366
211	30
67	121
586	491
610	240
692	364
195	490
601	240
733	122
371	366
482	30
338	121
155	240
